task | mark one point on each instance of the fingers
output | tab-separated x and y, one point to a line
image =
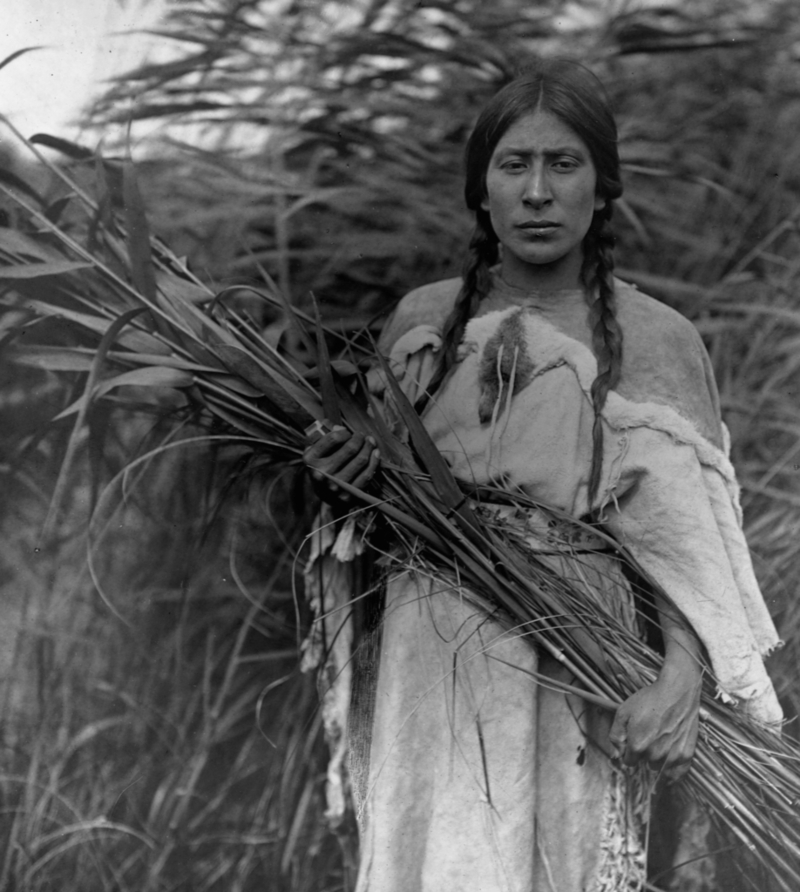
618	735
354	459
341	457
340	454
372	466
673	758
673	766
664	746
360	469
323	446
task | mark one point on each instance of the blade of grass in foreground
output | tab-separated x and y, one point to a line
141	259
72	445
330	401
433	461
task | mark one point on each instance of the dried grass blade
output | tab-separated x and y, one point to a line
72	445
291	313
330	401
37	270
407	521
54	359
12	181
441	476
149	376
221	407
19	245
285	394
70	149
390	447
136	339
141	259
15	55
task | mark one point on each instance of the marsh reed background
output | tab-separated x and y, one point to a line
157	732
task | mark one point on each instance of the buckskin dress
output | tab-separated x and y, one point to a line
468	775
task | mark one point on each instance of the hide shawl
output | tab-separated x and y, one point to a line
517	410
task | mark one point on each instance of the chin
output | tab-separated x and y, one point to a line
544	258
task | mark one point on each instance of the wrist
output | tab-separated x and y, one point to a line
681	666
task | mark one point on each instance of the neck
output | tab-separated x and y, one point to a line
562	275
566	308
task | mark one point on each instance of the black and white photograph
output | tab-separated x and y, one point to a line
400	446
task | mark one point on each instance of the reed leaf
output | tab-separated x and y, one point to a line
431	458
141	263
54	359
62	482
65	146
330	401
15	55
39	270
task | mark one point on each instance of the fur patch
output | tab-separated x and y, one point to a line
506	366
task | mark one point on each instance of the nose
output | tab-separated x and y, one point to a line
537	192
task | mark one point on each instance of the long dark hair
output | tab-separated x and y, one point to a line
575	96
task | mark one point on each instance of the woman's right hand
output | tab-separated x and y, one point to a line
340	456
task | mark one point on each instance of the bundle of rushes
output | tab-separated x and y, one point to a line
143	320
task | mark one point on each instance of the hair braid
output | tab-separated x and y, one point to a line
482	256
597	274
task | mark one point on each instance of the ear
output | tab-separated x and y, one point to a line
485	203
599	202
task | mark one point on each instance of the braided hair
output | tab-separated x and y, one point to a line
598	267
574	95
483	254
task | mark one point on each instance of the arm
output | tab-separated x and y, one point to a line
669	516
659	723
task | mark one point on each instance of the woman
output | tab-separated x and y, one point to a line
542	373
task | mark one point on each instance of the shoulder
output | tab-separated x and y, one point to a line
428	305
654	334
665	360
651	320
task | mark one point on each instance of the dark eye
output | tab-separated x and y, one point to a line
513	165
565	165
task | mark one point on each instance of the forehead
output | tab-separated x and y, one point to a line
540	131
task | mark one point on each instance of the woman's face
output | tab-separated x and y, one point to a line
541	197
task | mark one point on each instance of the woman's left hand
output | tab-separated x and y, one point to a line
659	724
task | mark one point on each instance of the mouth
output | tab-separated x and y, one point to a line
538	224
539	227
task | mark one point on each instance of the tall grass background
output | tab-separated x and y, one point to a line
157	732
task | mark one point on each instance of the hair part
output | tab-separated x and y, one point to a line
574	95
